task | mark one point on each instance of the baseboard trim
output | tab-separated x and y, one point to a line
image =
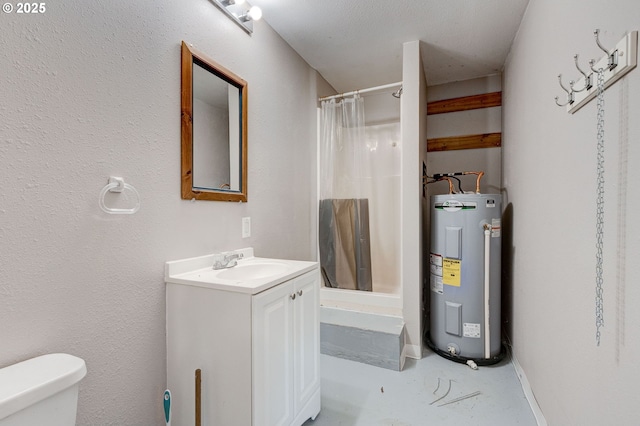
412	351
528	392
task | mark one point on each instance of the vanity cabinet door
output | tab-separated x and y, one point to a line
286	352
306	336
272	356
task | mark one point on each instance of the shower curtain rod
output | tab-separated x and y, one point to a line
370	89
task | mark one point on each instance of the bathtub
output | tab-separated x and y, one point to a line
362	301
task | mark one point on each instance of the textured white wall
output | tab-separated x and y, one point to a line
550	183
90	90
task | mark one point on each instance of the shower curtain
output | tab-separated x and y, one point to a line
345	254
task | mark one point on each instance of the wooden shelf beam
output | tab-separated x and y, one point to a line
484	140
465	103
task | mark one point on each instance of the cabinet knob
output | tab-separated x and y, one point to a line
300	293
293	296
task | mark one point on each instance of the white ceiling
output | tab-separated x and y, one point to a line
356	44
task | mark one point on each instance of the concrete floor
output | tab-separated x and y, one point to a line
355	394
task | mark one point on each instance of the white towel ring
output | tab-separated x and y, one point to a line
117	184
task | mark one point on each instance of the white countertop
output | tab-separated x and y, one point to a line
199	272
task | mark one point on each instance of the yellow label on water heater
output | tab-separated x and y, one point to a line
451	272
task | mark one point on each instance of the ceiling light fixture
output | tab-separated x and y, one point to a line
241	12
254	13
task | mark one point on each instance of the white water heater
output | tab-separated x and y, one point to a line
465	277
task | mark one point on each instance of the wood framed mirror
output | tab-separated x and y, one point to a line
214	130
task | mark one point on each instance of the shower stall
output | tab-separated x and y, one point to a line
380	323
359	226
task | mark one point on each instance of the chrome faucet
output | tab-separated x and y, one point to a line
226	260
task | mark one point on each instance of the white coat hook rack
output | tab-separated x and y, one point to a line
614	64
117	184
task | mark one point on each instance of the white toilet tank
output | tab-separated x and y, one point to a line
41	391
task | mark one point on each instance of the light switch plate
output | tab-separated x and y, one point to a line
246	227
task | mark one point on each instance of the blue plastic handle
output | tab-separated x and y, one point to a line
167	406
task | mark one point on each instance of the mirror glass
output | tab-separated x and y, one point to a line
214	135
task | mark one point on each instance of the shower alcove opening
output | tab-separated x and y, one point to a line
360	321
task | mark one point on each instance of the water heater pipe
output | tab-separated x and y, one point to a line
441	176
479	176
487	276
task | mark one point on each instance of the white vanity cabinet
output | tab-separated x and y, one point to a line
258	349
